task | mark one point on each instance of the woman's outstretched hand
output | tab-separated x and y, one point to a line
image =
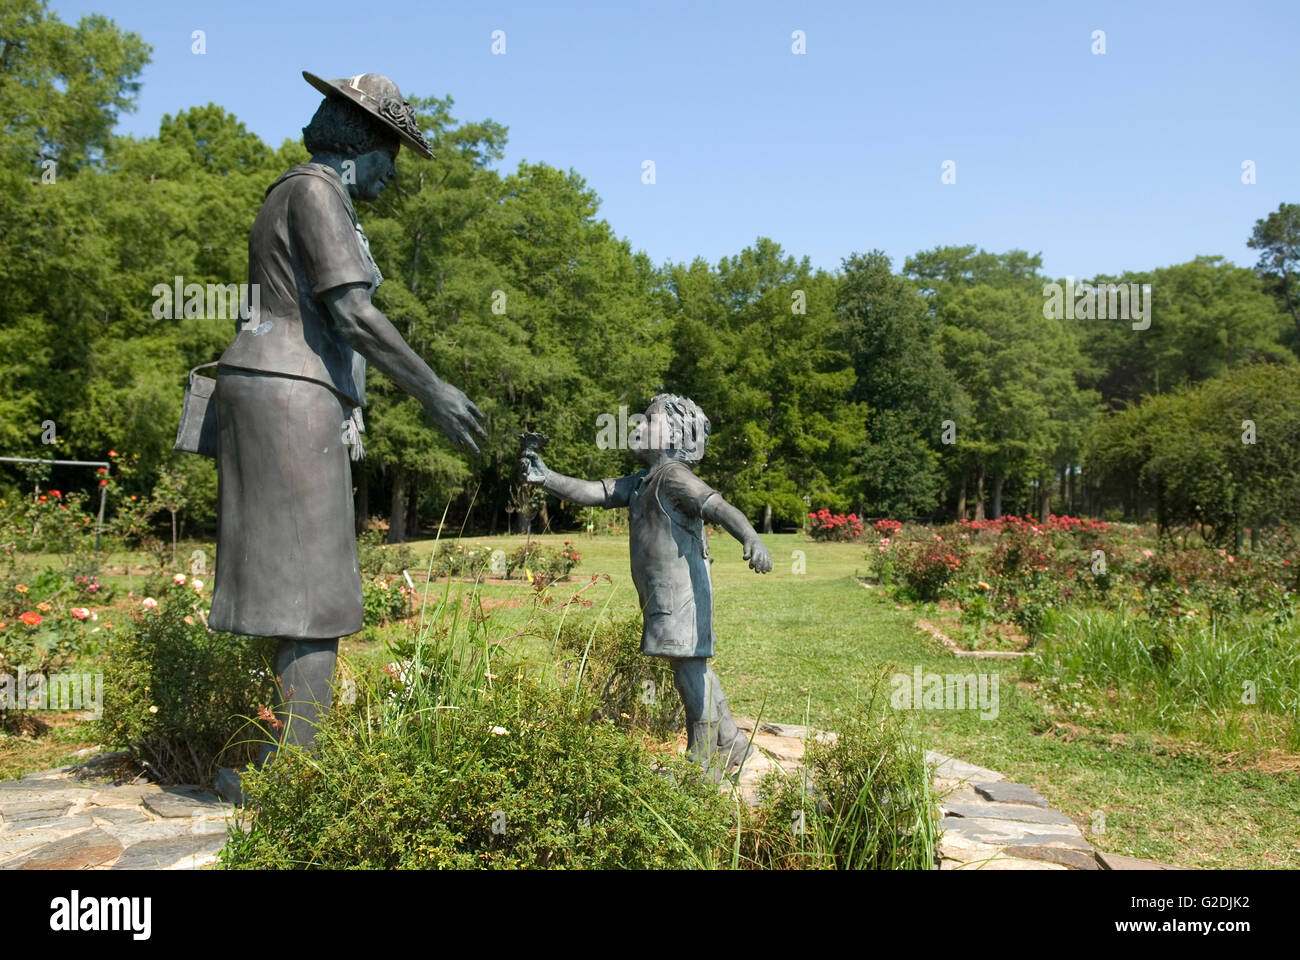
455	415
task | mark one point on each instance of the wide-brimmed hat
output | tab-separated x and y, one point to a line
379	97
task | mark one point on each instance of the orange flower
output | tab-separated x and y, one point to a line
81	613
30	618
43	607
21	588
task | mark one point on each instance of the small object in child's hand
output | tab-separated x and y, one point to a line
532	442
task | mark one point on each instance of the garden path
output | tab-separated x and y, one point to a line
77	817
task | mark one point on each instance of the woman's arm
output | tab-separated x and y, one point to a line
373	336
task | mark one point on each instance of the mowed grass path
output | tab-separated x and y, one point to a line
808	644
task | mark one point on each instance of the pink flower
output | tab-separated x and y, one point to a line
179	578
81	613
149	603
265	713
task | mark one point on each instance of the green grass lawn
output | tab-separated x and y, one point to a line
792	645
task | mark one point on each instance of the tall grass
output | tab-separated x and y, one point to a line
1234	683
864	800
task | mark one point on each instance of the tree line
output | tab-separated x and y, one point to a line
934	389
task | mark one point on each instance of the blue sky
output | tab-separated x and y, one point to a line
1127	160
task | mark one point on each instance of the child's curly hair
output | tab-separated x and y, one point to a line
688	427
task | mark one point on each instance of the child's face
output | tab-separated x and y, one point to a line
650	439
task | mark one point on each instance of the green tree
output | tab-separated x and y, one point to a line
1015	369
759	347
901	379
1277	238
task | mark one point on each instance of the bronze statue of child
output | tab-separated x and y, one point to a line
668	506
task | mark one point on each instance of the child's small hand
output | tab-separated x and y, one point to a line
532	468
760	561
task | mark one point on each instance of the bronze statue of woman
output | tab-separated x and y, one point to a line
289	391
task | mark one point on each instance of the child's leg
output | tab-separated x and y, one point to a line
690	676
712	737
727	729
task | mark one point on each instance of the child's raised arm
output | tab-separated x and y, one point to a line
585	493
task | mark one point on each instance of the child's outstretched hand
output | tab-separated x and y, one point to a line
760	561
532	468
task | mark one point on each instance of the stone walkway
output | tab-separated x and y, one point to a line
78	818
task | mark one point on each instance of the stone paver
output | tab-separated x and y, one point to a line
77	818
1020	812
77	851
1006	792
950	771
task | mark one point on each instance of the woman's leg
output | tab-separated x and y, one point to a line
304	670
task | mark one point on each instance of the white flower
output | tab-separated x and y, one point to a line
179	578
501	731
197	585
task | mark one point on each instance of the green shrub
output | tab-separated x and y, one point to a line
458	560
630	688
925	568
549	565
376	558
383	602
867	802
437	766
1201	675
179	695
44	624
